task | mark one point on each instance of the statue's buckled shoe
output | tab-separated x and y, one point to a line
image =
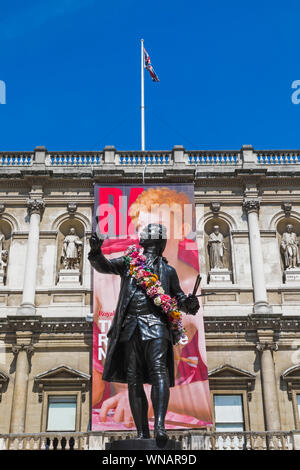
160	435
143	435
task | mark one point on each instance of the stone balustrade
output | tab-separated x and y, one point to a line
74	159
246	157
143	158
213	158
12	159
191	440
279	157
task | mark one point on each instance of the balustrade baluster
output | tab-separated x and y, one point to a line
35	445
231	443
59	443
248	442
271	442
68	445
279	442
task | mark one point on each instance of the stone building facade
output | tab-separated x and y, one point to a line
251	322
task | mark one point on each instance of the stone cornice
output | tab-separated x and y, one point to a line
248	324
44	325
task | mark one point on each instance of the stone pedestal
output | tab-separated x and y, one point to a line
69	278
142	444
292	275
217	276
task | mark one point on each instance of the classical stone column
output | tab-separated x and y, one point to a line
18	413
261	304
271	405
35	209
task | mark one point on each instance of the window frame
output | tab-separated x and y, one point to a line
229	393
240	392
63	393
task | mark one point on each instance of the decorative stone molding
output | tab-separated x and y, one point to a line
2	208
250	205
287	207
35	206
250	324
215	208
63	378
72	208
43	325
291	377
231	378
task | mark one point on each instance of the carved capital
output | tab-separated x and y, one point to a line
28	348
72	208
287	207
262	346
251	205
35	206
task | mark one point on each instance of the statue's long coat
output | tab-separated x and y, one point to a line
114	368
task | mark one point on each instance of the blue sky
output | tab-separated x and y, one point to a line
72	74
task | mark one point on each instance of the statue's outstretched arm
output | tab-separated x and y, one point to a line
102	264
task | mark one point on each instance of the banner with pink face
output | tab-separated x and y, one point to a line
121	213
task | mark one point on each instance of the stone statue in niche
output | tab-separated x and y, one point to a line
289	248
216	248
71	250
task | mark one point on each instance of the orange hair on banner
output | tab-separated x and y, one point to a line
154	196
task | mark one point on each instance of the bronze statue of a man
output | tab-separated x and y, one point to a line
140	345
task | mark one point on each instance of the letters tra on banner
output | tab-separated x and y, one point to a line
121	213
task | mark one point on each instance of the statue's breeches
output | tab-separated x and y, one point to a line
150	356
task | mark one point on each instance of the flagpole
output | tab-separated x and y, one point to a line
142	97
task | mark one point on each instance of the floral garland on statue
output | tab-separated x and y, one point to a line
154	290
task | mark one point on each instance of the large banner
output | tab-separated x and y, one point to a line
121	212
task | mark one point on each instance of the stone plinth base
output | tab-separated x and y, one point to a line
292	275
68	278
142	444
215	276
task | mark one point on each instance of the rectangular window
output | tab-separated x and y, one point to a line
61	413
229	415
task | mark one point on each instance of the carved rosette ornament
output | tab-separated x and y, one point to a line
35	206
251	205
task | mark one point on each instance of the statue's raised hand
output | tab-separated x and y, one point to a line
96	241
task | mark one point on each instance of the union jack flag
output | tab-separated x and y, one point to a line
149	67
